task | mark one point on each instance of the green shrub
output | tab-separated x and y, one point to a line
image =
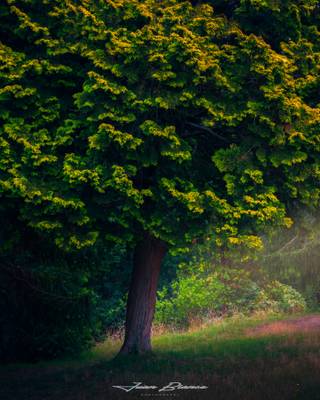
192	296
286	298
222	292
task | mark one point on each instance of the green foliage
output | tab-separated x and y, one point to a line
195	296
45	313
112	112
285	297
275	20
52	303
192	297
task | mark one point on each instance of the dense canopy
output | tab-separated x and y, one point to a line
122	116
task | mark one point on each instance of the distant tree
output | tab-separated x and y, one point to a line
154	123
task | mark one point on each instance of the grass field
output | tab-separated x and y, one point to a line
235	358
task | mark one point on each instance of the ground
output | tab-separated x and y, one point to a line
256	358
305	324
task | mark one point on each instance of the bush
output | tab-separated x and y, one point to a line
191	297
222	292
286	298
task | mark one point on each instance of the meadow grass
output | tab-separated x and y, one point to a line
224	356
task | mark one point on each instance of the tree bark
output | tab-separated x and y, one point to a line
148	257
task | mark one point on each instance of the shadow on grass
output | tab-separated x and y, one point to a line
232	364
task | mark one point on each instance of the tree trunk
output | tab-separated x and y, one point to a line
148	257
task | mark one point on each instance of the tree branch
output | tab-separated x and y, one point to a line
207	129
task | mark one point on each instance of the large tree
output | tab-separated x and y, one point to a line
155	123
